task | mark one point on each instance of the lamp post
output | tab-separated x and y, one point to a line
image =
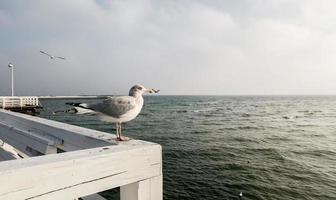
10	65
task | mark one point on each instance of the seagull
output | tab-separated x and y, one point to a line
117	109
51	56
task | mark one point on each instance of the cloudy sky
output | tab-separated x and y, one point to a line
179	46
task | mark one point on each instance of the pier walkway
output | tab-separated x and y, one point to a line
20	103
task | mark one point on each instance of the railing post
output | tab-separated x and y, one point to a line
3	103
21	102
149	189
36	101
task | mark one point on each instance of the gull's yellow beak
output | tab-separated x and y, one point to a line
152	90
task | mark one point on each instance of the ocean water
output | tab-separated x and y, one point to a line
214	147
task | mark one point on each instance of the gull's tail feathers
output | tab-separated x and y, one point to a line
78	108
81	110
83	105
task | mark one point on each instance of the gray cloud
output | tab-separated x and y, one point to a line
181	47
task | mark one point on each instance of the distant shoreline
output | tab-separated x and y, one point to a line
72	97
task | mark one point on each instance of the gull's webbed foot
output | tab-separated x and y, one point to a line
123	139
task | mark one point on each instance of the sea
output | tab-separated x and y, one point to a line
216	147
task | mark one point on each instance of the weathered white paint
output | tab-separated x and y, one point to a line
45	136
18	101
79	173
149	189
96	162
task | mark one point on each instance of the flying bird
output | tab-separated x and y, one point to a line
117	109
51	56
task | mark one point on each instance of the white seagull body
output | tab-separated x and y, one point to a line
118	109
51	56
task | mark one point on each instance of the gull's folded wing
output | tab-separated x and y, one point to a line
114	106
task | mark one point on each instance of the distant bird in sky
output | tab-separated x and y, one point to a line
117	109
51	56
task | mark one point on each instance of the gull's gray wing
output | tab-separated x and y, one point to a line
45	53
114	106
60	57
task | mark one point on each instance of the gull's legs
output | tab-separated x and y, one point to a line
117	131
122	138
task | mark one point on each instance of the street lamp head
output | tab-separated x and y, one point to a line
10	65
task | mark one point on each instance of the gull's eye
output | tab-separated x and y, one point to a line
139	88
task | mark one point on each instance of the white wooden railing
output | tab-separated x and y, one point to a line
91	162
18	101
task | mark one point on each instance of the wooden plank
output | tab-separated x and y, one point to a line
21	140
74	137
42	138
79	173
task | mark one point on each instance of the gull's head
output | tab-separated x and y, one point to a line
140	89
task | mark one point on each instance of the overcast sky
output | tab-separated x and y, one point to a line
179	46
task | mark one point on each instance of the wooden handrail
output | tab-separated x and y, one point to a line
92	162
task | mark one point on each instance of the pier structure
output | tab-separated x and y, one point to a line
20	103
45	159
